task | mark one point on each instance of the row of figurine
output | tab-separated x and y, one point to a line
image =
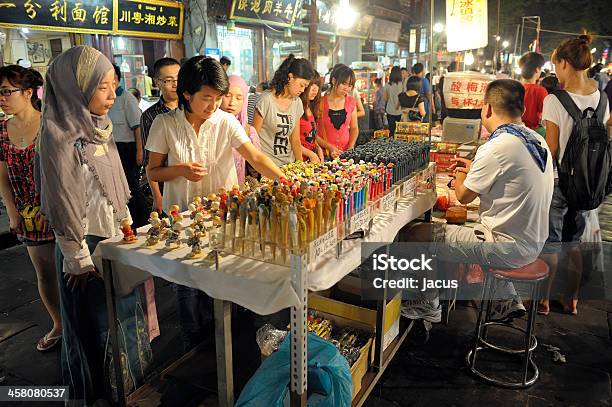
269	218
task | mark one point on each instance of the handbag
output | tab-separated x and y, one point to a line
28	214
412	115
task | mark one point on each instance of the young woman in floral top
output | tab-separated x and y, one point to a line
18	97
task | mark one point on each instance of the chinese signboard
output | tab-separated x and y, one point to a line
274	12
466	22
385	30
465	90
150	18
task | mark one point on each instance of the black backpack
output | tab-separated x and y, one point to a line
584	171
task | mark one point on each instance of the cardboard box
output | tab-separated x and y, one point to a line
361	314
444	158
360	367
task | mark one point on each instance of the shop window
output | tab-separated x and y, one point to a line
379	47
241	47
278	48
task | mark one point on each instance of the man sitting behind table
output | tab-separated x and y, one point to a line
512	174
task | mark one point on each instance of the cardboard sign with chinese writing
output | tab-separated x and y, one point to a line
360	220
145	18
93	16
150	18
466	24
323	244
274	12
465	90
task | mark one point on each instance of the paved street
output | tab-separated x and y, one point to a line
429	375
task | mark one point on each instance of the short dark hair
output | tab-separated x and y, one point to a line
551	83
452	67
396	75
403	69
417	68
298	67
117	71
197	72
378	81
135	92
529	62
342	73
225	61
507	96
414	83
163	62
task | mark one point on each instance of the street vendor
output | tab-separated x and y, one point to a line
512	174
198	137
197	141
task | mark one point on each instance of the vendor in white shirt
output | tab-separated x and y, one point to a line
512	174
197	139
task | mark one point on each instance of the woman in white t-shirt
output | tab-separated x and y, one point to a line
197	139
391	93
571	60
278	112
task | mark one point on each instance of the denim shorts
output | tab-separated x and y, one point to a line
565	225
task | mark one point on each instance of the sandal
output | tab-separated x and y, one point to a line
569	306
543	309
47	342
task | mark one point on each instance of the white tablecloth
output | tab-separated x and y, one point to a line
261	287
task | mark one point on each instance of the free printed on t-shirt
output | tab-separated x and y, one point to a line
277	127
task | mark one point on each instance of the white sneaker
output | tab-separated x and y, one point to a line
422	308
507	310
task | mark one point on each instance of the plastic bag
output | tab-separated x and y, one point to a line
269	339
329	378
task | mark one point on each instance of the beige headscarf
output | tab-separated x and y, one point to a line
72	136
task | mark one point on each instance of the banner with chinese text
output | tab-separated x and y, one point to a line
274	12
150	18
93	16
465	90
466	24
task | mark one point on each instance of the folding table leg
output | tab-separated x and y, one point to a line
298	332
223	344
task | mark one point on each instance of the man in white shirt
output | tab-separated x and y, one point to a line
512	174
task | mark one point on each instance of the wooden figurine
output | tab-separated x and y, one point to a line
155	231
128	233
194	235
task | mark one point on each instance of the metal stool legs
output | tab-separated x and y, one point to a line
481	342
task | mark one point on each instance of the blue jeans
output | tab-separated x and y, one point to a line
86	361
565	225
195	311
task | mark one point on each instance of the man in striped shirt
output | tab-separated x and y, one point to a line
166	77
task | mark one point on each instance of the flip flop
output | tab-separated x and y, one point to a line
47	342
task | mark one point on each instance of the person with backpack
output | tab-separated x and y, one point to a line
575	120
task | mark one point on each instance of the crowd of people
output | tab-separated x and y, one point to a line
72	174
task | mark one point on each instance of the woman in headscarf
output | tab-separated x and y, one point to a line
84	195
234	102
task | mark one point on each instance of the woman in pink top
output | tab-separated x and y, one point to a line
234	103
338	119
